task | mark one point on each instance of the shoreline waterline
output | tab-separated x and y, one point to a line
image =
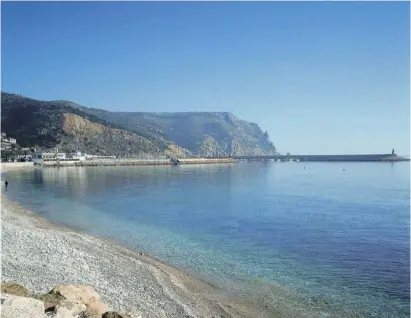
209	299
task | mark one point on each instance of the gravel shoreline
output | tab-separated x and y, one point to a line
40	256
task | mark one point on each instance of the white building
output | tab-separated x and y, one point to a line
53	158
58	158
7	142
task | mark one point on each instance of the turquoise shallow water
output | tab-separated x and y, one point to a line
337	239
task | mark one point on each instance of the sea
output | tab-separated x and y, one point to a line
332	236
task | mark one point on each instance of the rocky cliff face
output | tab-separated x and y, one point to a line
80	134
202	133
74	127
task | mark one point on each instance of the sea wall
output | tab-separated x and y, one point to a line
205	160
329	158
137	162
124	162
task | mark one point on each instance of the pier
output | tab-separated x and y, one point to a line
57	159
328	158
135	162
225	160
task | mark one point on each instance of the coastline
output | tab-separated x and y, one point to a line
116	162
125	278
40	255
9	166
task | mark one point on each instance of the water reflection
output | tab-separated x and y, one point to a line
146	191
38	177
96	179
320	229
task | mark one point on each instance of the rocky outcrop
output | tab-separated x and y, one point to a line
68	309
84	295
210	147
81	134
175	151
64	301
13	306
113	314
201	133
14	289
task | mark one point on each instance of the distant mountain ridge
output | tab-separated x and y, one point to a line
70	127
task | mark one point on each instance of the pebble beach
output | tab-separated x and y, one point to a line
39	256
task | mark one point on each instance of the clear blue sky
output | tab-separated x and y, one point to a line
321	77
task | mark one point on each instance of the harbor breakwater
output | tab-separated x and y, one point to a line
137	162
328	158
212	160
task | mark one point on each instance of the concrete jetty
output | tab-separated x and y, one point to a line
191	161
137	162
328	158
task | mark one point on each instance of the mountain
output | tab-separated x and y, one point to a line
69	127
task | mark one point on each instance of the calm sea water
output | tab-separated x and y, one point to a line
334	239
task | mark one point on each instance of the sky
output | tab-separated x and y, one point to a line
320	77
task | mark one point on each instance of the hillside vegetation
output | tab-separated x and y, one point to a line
70	127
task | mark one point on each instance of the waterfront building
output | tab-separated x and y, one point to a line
53	158
59	158
7	142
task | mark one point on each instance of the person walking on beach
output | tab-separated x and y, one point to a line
6	183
